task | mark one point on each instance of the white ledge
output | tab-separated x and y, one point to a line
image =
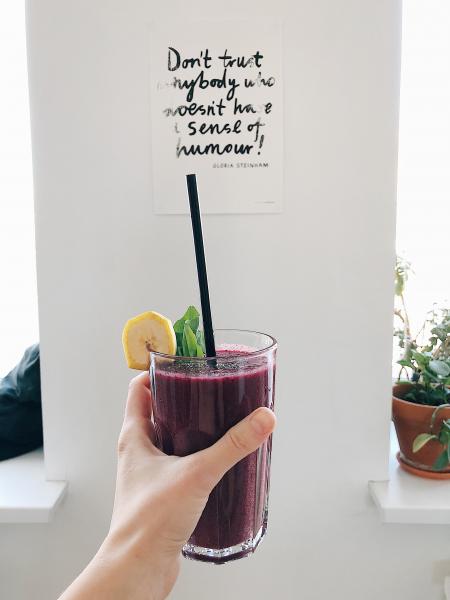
25	495
406	498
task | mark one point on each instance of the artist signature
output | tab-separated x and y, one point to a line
240	165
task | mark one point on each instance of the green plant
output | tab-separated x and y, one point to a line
426	365
190	339
443	437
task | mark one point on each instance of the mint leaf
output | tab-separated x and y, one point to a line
190	340
193	316
201	342
179	326
184	347
191	313
179	329
194	322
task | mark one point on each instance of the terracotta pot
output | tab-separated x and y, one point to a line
411	419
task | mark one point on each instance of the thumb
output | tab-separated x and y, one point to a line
238	442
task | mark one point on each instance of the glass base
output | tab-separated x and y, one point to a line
224	555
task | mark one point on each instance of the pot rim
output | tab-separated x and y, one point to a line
394	397
429	407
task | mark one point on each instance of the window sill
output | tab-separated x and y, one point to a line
409	499
25	495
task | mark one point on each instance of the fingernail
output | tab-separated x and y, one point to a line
262	422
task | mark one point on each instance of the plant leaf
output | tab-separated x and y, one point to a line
402	268
421	440
439	367
429	375
191	340
178	326
405	363
421	359
442	461
444	437
184	347
192	318
201	340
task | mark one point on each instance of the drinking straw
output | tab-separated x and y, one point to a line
201	264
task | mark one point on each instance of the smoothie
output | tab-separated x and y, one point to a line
197	402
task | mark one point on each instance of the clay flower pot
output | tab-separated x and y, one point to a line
410	420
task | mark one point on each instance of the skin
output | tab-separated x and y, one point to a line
158	502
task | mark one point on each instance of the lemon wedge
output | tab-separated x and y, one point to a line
144	333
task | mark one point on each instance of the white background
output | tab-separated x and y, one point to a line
423	235
318	276
18	298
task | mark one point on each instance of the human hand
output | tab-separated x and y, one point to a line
159	499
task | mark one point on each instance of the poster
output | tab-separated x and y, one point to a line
217	111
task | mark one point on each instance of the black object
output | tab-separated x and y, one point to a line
20	407
201	265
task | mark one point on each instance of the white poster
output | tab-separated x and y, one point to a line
216	111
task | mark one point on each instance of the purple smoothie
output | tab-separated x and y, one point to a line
195	405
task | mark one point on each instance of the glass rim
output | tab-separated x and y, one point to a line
272	346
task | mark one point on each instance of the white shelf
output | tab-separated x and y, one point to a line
406	498
25	495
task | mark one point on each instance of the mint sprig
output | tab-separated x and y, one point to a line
190	340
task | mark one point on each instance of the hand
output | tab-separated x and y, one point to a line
159	500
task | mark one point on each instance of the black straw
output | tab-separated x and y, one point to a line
201	264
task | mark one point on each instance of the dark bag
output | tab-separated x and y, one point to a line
20	407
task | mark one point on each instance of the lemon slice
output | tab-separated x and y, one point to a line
144	333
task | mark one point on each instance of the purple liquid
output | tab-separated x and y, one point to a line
194	407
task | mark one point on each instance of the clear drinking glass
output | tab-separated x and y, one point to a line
195	401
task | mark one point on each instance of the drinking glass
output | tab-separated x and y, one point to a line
195	401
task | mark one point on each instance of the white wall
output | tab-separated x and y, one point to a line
318	277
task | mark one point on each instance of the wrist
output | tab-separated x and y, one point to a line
136	567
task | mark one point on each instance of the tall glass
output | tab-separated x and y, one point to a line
195	401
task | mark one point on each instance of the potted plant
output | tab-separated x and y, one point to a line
421	396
